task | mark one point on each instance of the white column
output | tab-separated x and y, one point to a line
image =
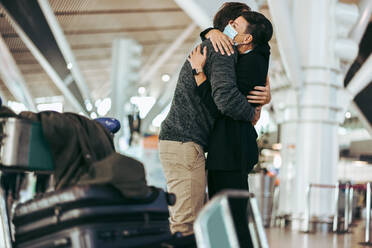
318	33
285	107
126	55
287	174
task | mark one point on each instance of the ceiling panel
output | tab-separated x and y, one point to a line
91	26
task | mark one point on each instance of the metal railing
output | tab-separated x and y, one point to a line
368	214
274	211
367	238
348	205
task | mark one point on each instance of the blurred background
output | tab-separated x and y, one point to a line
121	58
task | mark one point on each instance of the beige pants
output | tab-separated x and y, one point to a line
184	168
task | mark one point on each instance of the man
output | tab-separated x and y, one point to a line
184	133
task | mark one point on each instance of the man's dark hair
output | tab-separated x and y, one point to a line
259	27
228	11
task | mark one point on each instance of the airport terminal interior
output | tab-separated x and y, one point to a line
81	80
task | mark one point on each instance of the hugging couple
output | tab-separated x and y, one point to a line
218	98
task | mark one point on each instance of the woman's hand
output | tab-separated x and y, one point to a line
257	115
260	95
197	59
220	41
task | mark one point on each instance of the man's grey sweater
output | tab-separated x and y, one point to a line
188	118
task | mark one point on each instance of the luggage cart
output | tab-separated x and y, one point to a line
22	149
69	217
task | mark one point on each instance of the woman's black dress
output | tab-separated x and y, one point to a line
232	144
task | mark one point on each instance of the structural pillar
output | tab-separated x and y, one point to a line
322	42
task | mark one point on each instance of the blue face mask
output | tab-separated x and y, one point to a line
230	31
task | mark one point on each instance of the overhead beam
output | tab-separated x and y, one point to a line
13	79
112	30
362	118
365	9
65	48
44	47
361	79
116	11
45	64
168	53
108	45
202	12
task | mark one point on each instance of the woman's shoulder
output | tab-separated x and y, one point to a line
251	58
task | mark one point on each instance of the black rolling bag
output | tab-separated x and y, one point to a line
91	217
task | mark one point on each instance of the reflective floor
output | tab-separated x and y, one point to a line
279	238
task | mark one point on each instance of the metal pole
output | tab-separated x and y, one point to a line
307	209
346	213
261	235
335	218
368	213
351	196
274	212
5	232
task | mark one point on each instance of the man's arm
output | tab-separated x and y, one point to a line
227	97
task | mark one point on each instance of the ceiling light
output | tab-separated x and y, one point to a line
165	77
141	91
89	106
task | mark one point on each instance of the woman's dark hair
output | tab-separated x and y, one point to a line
228	11
259	27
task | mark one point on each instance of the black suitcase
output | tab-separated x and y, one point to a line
92	216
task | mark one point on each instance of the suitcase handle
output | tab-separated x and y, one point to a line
63	242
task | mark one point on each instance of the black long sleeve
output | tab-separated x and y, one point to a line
205	93
251	71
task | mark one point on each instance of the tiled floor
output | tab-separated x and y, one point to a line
283	238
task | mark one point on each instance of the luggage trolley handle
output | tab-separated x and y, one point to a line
5	224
